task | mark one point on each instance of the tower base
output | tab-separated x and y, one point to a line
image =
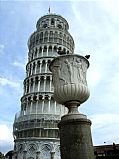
75	137
36	148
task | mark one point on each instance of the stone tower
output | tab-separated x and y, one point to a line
35	130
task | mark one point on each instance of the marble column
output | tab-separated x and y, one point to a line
24	154
52	155
38	155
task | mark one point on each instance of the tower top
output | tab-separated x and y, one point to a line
52	21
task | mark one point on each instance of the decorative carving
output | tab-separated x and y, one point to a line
20	148
69	78
32	148
69	71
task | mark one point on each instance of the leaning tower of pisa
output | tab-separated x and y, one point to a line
35	131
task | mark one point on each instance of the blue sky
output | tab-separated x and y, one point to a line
94	26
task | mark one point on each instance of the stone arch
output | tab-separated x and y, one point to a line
64	36
41	37
37	38
52	21
51	36
50	49
64	51
35	98
64	39
30	42
31	80
55	48
45	51
38	63
48	84
45	48
36	83
67	41
27	86
40	97
30	69
46	97
36	79
57	152
55	36
35	52
20	148
38	67
67	38
52	101
46	36
70	43
46	151
33	68
48	78
41	83
32	55
51	33
60	34
29	99
48	63
47	146
43	66
25	100
67	52
32	148
61	50
40	49
33	40
45	108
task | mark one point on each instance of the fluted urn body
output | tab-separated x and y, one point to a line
69	79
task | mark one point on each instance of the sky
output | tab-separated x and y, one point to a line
94	26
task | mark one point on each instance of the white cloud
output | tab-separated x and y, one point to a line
11	83
98	33
112	8
2	48
93	77
101	120
6	138
6	133
102	128
19	64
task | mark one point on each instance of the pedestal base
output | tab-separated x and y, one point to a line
75	137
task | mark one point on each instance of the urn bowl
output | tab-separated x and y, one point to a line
69	78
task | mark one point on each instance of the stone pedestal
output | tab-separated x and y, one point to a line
75	139
70	89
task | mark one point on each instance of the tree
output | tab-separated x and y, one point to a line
1	155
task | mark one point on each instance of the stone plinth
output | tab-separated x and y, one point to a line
70	89
75	139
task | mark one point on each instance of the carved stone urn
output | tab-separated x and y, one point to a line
69	79
70	89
